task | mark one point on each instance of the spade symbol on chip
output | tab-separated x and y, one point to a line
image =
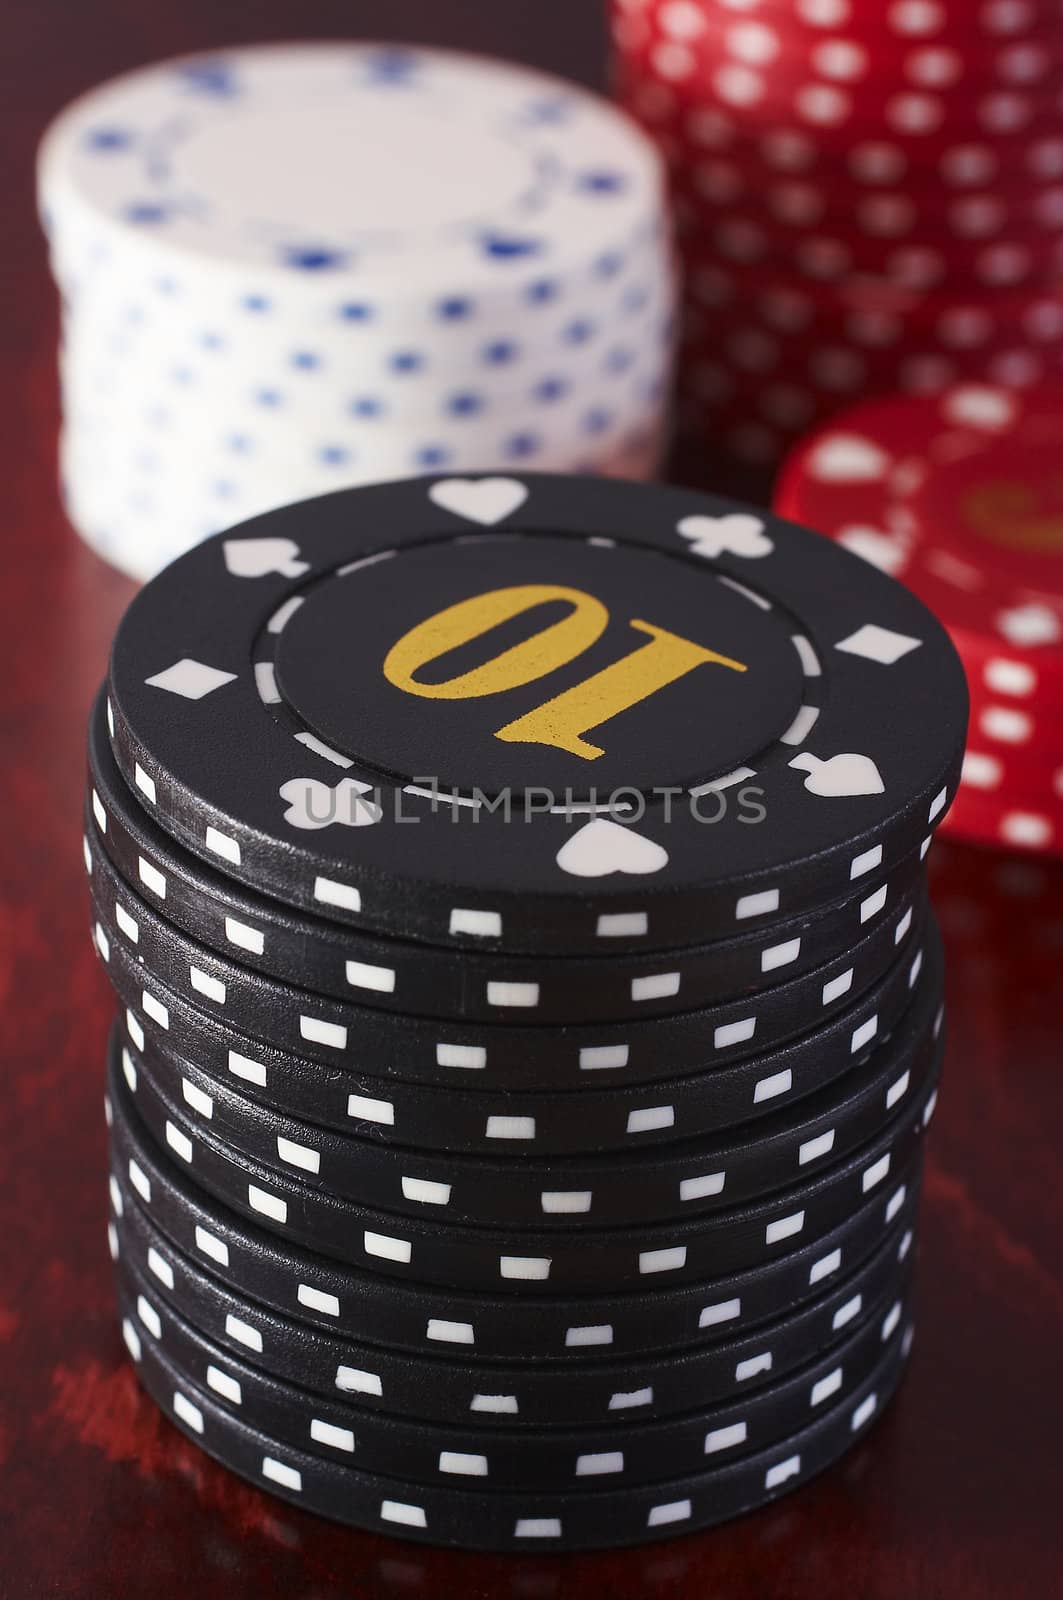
840	776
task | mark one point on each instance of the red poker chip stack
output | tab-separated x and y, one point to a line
869	198
961	496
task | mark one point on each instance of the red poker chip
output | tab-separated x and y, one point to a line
710	193
970	505
797	381
1011	678
1012	37
787	91
869	310
961	496
1024	741
917	262
869	200
1007	822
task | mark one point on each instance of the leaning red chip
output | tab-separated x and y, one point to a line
961	496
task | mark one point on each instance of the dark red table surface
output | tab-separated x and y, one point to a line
955	1494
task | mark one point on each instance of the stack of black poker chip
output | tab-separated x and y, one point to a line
530	1010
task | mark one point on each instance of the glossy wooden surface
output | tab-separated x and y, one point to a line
955	1495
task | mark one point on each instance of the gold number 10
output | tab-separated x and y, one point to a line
562	721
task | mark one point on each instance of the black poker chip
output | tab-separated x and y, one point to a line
636	1187
511	1124
500	1458
337	1031
350	964
529	1520
525	1262
538	714
457	1386
189	1226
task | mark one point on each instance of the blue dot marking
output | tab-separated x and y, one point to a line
509	246
555	109
603	182
393	67
215	77
313	258
500	352
406	361
106	140
465	404
146	213
522	445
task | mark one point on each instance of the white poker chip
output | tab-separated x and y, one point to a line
288	269
358	162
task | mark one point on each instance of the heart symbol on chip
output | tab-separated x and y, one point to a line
736	534
312	804
601	848
841	776
257	558
848	458
482	500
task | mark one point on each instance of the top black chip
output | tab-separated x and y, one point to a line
544	714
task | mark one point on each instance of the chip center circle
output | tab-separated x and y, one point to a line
542	662
999	505
409	165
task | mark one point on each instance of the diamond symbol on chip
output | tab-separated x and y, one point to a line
1030	625
841	776
736	534
190	678
256	558
848	458
878	644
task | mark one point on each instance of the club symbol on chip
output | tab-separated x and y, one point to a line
841	776
314	805
736	534
602	848
482	500
257	558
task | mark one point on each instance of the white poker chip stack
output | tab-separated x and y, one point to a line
294	268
